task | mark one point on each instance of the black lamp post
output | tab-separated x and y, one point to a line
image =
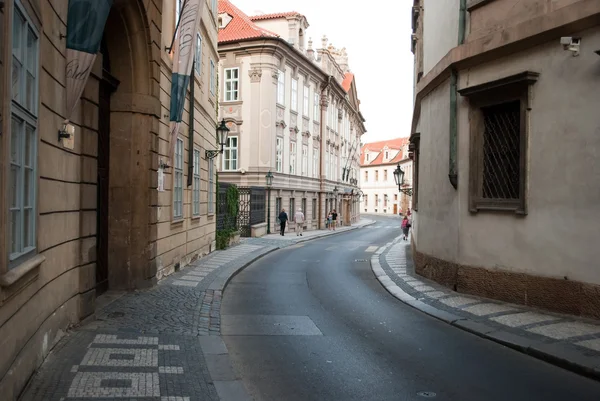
269	178
399	178
222	133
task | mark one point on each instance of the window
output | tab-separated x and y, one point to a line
279	155
304	208
385	175
376	175
211	186
366	197
326	164
277	209
178	181
213	78
230	154
196	184
178	5
395	197
281	88
366	176
316	108
198	55
294	102
385	199
387	155
304	160
314	209
23	139
292	157
292	210
366	156
232	80
305	105
214	4
499	132
376	200
315	154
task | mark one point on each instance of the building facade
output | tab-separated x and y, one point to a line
378	160
97	210
506	148
292	110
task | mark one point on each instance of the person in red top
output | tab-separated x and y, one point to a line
405	227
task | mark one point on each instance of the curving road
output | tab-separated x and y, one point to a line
311	322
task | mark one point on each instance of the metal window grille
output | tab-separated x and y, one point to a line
501	151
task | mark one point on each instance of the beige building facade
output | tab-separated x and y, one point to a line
378	161
506	146
98	210
292	110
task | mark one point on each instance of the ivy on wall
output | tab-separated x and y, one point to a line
232	196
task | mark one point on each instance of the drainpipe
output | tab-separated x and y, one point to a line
323	128
191	129
452	159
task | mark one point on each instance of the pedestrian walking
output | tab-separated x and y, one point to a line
283	218
299	218
334	216
328	221
405	228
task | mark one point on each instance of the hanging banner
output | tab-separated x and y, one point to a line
182	64
85	26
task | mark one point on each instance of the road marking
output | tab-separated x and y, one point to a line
372	248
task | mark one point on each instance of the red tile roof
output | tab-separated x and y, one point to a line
241	26
347	82
377	147
274	15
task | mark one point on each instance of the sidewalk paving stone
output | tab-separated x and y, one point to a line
568	341
158	343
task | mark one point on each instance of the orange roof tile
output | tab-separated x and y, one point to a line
241	26
377	147
347	82
274	15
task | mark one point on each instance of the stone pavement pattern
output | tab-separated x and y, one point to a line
566	340
159	344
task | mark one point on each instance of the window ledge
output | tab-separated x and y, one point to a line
232	102
28	269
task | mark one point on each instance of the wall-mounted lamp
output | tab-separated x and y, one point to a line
66	131
222	133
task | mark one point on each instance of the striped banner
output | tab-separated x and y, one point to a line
182	64
85	27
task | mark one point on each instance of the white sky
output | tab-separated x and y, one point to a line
377	38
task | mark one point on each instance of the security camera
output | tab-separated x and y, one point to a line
571	44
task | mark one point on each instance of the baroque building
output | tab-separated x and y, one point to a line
292	110
97	208
378	160
505	140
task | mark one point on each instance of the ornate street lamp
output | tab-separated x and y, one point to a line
399	178
222	133
269	178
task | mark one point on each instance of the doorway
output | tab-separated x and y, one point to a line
395	208
108	85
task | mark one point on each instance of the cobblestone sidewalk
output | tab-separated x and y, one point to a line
159	344
568	341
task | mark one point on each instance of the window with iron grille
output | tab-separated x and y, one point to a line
178	181
292	210
498	136
211	186
196	184
277	209
314	209
304	207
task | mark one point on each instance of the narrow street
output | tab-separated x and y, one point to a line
311	322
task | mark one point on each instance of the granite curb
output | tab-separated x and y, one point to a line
555	354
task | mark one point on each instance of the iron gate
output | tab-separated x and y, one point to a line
251	209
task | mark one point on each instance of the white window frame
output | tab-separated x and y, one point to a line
212	77
214	6
198	55
231	154
22	142
294	95
293	150
279	154
232	84
178	181
316	108
281	87
306	105
196	184
211	186
304	160
315	163
327	164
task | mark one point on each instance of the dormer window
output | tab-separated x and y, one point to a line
367	156
223	20
387	155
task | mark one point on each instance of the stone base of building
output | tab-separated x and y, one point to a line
563	296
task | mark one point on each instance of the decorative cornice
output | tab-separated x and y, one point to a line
281	124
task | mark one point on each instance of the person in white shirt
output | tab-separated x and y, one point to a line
299	218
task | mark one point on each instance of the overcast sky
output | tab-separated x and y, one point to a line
377	38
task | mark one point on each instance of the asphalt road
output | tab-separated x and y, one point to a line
311	322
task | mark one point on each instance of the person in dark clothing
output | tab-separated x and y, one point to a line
334	217
283	218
